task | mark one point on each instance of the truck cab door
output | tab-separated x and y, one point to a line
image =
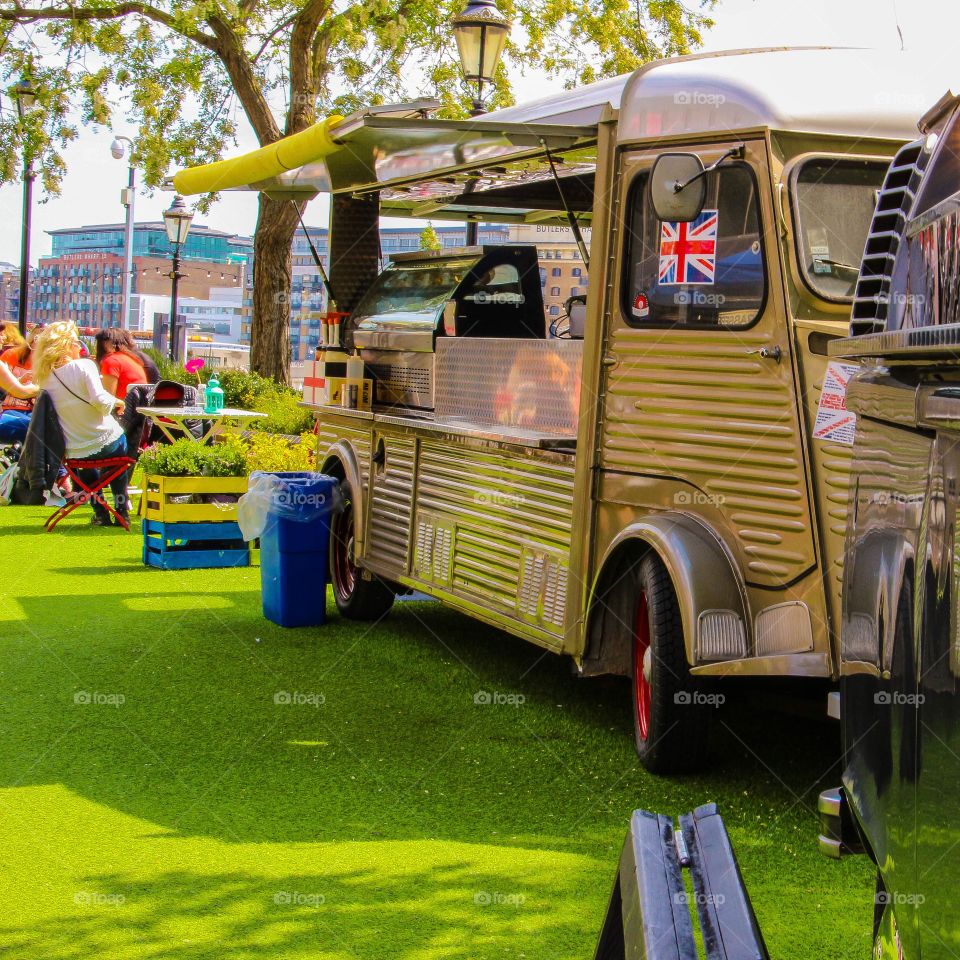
698	383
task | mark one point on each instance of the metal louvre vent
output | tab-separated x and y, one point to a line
721	636
543	588
783	628
871	297
433	550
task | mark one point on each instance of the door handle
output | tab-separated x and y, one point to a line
610	361
774	353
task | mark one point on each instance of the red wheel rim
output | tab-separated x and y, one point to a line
641	644
344	572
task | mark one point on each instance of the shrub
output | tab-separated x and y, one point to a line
274	454
245	390
284	415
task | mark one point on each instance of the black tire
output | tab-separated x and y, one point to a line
357	597
671	731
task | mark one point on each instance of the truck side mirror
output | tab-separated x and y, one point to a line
678	188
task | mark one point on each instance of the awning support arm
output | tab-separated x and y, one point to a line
331	299
571	217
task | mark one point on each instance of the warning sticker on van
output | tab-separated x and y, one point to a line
835	423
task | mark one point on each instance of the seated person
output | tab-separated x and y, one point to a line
15	409
84	409
120	363
10	420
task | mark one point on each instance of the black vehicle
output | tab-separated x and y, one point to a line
900	656
900	639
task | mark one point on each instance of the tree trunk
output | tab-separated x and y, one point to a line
270	329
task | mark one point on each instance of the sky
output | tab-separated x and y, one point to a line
91	188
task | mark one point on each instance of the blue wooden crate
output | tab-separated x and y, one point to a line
186	546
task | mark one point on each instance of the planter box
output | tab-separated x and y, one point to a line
190	546
156	503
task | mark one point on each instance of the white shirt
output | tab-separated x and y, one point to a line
87	423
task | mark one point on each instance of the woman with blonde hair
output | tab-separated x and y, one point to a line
83	408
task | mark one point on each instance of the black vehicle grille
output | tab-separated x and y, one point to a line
871	299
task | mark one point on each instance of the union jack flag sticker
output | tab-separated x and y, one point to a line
688	251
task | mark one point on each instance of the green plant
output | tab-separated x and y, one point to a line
283	415
245	390
187	458
273	454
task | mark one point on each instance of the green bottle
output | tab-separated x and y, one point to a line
214	396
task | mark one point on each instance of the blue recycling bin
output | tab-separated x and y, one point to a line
294	548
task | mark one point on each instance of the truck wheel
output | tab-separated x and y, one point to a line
670	726
357	598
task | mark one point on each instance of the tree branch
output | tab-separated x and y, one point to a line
21	14
303	78
246	83
266	41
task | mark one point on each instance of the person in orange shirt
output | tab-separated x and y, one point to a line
120	365
15	409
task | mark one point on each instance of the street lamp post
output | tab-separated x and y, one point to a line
26	97
118	148
177	221
481	33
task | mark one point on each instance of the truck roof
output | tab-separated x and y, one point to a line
825	90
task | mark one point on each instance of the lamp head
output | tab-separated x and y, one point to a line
177	221
481	33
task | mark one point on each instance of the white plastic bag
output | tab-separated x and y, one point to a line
290	496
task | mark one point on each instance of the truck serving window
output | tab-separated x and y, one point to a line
833	205
706	273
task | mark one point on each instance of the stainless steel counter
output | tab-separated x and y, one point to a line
451	426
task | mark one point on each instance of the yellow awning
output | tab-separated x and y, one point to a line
290	153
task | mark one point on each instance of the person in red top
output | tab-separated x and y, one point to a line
119	365
14	411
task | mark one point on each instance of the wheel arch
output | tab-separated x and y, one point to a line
876	571
340	461
702	571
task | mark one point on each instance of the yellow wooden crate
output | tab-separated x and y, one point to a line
157	491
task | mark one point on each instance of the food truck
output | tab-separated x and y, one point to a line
660	491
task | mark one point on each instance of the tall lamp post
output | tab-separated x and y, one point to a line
120	146
481	33
177	221
26	97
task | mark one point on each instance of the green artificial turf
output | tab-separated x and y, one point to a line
156	800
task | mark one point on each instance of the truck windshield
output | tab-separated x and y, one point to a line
411	295
834	201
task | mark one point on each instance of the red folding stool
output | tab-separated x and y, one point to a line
113	467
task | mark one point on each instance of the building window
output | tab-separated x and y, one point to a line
555	272
554	311
576	271
554	291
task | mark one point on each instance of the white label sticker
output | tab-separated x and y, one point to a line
835	423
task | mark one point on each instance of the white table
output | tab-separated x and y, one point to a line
170	419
